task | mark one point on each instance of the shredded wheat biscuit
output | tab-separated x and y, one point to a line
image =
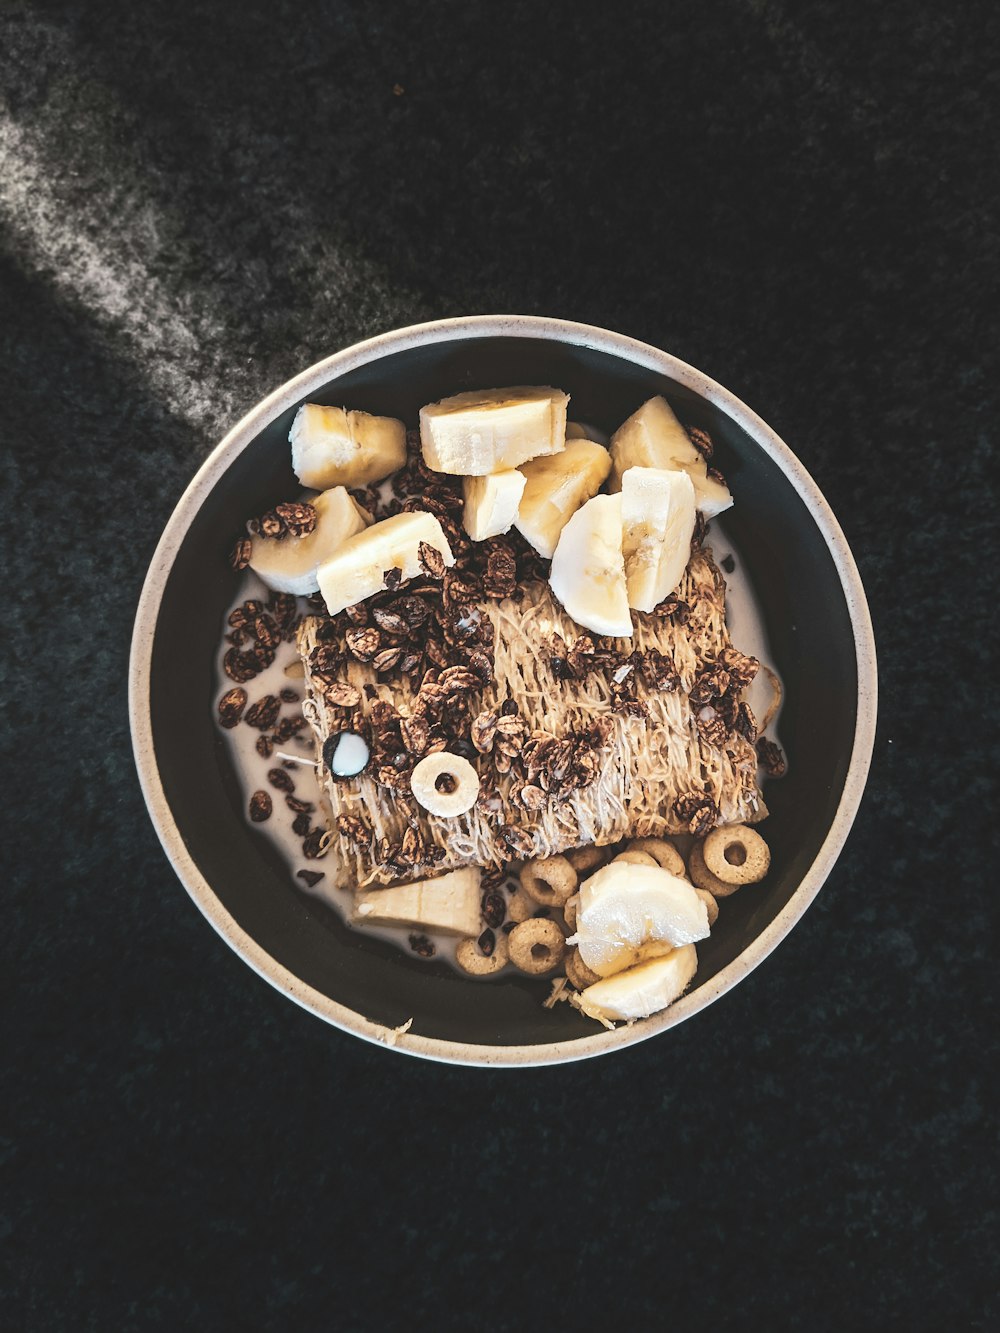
645	764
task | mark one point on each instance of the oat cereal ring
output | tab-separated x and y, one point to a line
445	784
536	946
470	959
665	854
635	858
711	905
549	881
578	974
736	855
583	859
521	907
569	912
702	877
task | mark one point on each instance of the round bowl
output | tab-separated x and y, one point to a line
811	599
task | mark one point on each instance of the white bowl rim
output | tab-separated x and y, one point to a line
312	379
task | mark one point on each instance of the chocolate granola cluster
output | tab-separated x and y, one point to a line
256	630
718	710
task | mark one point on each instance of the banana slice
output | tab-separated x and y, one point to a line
642	990
333	447
588	568
658	516
449	904
491	503
491	430
357	570
653	437
628	913
290	565
555	489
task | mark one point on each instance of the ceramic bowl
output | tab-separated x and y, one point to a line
806	584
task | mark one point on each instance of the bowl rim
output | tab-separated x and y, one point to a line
140	660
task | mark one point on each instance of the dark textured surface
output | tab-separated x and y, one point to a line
195	202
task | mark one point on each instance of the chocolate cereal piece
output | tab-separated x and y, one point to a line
231	707
241	552
260	806
264	713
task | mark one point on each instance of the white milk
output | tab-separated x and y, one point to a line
745	624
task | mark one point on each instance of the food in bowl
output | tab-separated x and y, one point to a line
497	692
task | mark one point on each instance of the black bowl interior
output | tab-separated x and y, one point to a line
805	612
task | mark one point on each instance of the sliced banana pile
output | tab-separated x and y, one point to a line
523	467
636	927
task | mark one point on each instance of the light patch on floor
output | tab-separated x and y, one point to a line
109	280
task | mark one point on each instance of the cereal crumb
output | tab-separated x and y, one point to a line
391	1035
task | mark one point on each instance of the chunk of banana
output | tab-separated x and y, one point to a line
588	568
658	513
628	913
555	488
333	447
449	904
358	569
653	437
291	565
491	503
492	430
641	990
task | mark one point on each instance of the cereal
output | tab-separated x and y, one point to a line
494	908
231	707
445	784
710	904
260	806
471	959
577	971
636	858
736	855
703	878
570	907
521	907
549	881
664	853
583	859
536	947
